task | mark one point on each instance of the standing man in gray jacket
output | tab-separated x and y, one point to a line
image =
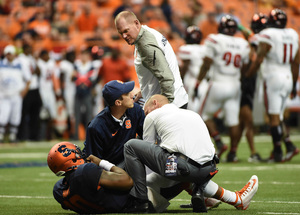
155	61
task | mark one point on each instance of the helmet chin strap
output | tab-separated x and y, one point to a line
60	173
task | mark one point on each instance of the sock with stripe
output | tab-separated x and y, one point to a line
230	197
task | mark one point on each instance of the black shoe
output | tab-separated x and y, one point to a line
198	202
231	157
278	157
139	206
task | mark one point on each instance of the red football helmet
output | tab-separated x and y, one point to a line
64	157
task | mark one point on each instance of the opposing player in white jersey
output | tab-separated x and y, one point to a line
279	49
191	55
227	56
14	84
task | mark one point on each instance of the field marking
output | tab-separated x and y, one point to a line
271	202
277	213
24	155
262	182
26	197
260	168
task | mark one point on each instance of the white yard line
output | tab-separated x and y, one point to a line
24	155
278	213
25	197
270	202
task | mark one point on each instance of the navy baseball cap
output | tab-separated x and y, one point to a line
114	89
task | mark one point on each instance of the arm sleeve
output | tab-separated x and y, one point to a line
211	46
91	176
149	134
154	59
26	72
264	37
93	144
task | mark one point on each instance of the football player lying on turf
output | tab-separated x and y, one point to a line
97	186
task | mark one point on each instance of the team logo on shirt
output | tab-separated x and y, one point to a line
164	41
128	124
64	150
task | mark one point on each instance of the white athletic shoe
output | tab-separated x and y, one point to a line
211	203
247	193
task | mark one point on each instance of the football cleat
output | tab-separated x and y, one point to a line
232	158
247	193
255	158
290	154
211	203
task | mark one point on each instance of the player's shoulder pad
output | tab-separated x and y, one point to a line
212	38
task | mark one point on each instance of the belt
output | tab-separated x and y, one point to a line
194	163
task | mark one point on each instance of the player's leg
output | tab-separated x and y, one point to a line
139	153
240	199
276	87
211	102
15	117
5	108
291	149
231	110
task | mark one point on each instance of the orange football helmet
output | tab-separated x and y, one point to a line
64	157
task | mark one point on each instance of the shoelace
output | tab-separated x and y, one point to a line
245	189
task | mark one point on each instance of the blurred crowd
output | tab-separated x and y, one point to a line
74	49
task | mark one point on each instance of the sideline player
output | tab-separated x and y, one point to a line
179	155
96	186
14	85
227	56
155	61
32	103
279	49
67	69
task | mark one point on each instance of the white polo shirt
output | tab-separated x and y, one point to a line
179	130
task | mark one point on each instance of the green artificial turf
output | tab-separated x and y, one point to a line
27	189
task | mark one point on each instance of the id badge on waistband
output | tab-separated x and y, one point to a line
171	166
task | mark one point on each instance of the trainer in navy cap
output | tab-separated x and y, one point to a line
114	89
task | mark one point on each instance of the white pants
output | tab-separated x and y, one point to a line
225	96
277	88
11	110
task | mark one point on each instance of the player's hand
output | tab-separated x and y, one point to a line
137	96
93	159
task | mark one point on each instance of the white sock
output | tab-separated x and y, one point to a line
210	189
230	197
